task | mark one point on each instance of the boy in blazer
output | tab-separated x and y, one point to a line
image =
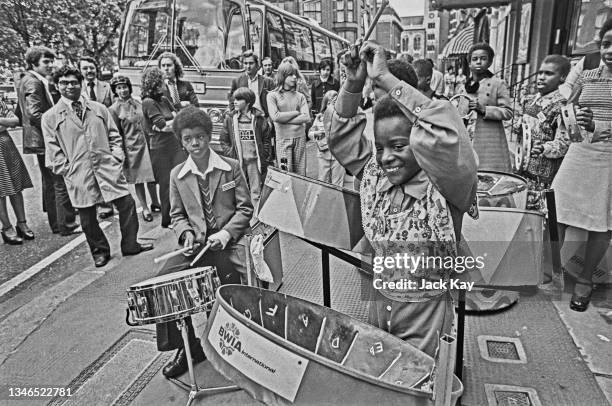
246	136
210	204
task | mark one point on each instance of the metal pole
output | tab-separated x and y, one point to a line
325	275
460	334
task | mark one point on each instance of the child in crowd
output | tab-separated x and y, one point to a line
245	136
288	110
549	137
330	170
490	99
210	204
417	181
424	72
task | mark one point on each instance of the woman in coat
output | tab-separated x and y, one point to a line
127	114
491	101
158	114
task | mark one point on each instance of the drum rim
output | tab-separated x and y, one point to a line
137	285
313	356
503	173
172	316
510	209
312	180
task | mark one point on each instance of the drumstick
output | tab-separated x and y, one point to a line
382	7
171	255
206	247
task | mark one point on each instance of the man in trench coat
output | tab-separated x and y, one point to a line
83	145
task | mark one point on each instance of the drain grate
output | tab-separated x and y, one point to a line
505	398
509	395
502	349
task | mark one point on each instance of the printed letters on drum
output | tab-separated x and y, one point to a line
260	359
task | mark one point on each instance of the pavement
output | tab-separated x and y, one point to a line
65	327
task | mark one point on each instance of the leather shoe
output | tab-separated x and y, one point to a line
155	208
147	217
10	237
24	231
178	366
101	259
580	302
141	248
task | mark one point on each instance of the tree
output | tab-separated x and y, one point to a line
71	27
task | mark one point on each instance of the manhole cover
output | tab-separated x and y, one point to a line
505	398
510	395
502	350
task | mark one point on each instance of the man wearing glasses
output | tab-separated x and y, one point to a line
83	145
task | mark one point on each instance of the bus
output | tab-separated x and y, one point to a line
209	37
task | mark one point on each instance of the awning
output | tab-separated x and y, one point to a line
460	44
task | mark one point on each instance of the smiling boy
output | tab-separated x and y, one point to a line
415	188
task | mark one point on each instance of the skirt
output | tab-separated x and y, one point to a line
491	146
583	187
14	176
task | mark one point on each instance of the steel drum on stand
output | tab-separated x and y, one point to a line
283	350
496	231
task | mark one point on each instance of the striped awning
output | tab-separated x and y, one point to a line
460	43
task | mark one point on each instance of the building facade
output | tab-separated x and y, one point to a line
389	31
413	36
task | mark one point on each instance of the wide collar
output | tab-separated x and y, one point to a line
214	162
415	187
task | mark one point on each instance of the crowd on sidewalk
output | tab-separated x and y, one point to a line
417	180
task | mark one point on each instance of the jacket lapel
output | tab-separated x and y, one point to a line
191	181
213	182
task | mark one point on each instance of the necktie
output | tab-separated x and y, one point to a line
78	109
92	93
211	222
173	92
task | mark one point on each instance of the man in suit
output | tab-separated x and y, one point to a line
34	100
210	204
178	91
259	84
83	144
100	91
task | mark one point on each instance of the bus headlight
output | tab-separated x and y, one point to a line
215	115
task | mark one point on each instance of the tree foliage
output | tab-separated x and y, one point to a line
70	27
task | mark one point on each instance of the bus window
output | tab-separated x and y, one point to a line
299	44
337	47
236	44
276	42
255	30
321	46
147	29
202	25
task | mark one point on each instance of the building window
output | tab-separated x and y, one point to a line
313	10
431	25
349	5
340	5
416	43
340	16
431	37
349	16
350	36
431	48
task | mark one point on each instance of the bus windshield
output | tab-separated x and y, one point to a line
209	34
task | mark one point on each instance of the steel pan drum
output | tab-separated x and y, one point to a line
311	209
172	296
284	350
500	189
511	241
